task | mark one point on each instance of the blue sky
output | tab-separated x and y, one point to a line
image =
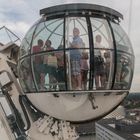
19	16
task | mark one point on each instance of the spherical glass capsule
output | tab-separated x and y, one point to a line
76	62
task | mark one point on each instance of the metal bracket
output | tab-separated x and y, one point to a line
92	100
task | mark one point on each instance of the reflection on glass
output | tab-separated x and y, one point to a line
124	71
124	59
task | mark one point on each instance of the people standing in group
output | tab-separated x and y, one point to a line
99	63
75	59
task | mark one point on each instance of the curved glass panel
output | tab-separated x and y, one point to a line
125	58
48	70
125	65
47	37
103	54
77	53
64	59
122	41
101	27
26	42
25	76
50	30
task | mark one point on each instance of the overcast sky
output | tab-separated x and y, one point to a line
19	15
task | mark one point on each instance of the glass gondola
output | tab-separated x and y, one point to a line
76	62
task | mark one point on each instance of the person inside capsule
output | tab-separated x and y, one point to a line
122	72
60	72
107	65
99	63
84	69
38	62
50	62
75	59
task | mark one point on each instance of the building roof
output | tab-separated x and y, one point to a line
106	123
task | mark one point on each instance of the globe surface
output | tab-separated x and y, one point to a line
76	62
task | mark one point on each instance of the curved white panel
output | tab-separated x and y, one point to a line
74	108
